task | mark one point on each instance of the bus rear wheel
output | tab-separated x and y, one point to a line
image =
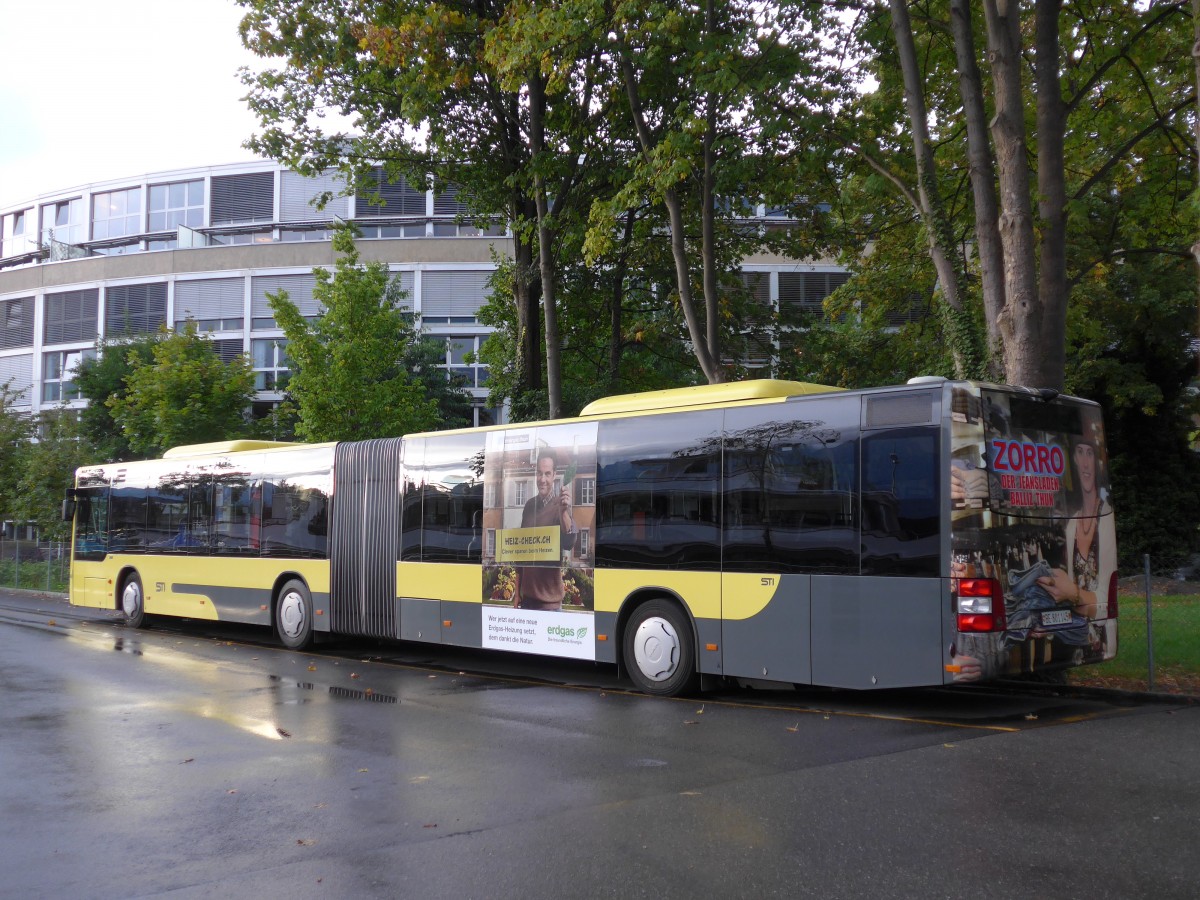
658	649
294	615
133	601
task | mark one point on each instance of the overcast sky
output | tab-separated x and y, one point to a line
103	89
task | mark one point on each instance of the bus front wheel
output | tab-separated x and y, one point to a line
133	601
658	649
294	615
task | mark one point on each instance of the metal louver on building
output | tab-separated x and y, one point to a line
398	198
70	316
453	293
299	290
297	192
228	350
17	372
245	198
134	308
210	298
16	323
365	525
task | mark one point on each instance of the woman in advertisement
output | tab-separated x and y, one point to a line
1091	544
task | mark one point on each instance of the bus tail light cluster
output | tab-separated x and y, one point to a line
979	603
1111	612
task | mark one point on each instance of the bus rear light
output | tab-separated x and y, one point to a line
1111	612
979	604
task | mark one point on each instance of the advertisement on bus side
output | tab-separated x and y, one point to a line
539	526
1032	509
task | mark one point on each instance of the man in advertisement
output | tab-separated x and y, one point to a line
541	586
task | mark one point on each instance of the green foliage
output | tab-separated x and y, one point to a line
187	395
49	469
103	376
14	443
350	379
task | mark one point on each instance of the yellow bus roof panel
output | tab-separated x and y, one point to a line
703	395
239	446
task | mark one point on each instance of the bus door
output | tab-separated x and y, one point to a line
884	627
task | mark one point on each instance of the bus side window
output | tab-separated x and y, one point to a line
900	502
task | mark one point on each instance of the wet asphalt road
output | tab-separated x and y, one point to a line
188	761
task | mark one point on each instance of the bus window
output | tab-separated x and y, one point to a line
127	515
900	502
791	488
91	523
658	504
410	511
452	507
233	515
295	517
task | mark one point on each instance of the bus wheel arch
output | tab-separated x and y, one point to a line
292	611
658	644
131	598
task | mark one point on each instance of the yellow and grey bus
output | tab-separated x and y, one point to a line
923	534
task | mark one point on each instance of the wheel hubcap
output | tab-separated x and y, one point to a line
293	614
656	649
131	599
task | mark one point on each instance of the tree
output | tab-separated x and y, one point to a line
48	469
1069	96
187	395
349	381
103	376
408	69
14	444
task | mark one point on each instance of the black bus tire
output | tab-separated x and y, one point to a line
658	649
294	615
132	601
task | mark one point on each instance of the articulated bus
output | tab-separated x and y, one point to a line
931	533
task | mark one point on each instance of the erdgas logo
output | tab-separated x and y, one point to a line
561	632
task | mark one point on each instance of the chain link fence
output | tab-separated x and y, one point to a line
35	565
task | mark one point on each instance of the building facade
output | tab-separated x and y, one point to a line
125	257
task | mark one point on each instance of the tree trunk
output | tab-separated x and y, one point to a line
982	170
709	365
529	332
616	341
1196	61
938	232
537	109
1020	321
1052	197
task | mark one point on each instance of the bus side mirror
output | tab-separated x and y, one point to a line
68	506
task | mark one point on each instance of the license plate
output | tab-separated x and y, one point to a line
1056	617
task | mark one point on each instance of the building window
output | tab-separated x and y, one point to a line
581	549
458	347
63	222
172	205
135	308
489	495
520	493
116	214
16	240
586	492
58	373
70	316
271	364
490	549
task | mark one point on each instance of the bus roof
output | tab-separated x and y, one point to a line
703	395
215	447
